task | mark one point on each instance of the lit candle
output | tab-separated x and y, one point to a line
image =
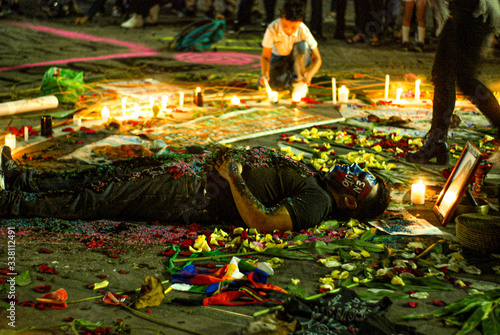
343	94
334	91
181	99
417	90
77	121
26	133
10	140
151	102
399	91
273	96
235	100
198	97
386	96
296	97
137	110
105	114
418	193
124	107
164	102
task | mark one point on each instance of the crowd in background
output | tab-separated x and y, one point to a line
404	23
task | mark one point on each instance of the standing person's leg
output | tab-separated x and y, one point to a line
375	25
341	7
243	18
270	7
444	75
409	6
361	11
316	24
421	11
472	33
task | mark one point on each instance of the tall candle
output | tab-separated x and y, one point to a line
334	91
105	114
399	91
418	193
10	140
386	96
137	110
417	90
124	107
164	102
181	99
26	133
151	102
343	94
296	97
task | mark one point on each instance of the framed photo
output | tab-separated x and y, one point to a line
457	183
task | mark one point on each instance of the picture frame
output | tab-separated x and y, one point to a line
457	183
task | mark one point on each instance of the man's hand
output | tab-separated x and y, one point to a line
229	169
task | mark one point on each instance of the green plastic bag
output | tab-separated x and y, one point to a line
65	84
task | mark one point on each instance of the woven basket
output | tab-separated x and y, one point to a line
478	232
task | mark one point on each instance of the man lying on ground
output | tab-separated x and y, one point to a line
258	187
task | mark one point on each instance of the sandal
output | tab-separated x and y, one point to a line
356	39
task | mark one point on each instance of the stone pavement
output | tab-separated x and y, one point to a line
104	51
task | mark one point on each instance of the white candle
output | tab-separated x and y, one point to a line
124	108
235	100
105	114
386	96
26	133
10	140
296	97
164	102
417	90
399	91
273	96
418	193
151	102
334	91
137	110
343	94
181	99
77	121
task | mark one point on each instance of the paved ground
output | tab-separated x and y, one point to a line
104	51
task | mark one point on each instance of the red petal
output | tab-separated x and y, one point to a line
43	288
413	304
123	271
28	303
45	251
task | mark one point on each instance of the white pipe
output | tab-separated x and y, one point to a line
23	106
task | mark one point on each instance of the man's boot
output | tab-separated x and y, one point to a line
435	147
11	174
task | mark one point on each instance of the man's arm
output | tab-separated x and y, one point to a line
313	68
265	64
254	213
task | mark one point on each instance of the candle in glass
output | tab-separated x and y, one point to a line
418	193
343	94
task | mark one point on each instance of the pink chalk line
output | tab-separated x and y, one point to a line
137	50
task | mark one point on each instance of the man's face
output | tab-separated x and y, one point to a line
289	27
354	180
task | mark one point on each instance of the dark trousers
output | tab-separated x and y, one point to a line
139	189
316	25
369	20
142	7
341	7
99	4
270	7
456	62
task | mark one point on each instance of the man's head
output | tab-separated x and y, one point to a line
358	194
292	15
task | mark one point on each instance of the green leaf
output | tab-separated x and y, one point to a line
475	319
297	290
3	304
367	235
491	325
89	325
286	253
23	279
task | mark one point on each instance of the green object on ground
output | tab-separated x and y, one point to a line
67	85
